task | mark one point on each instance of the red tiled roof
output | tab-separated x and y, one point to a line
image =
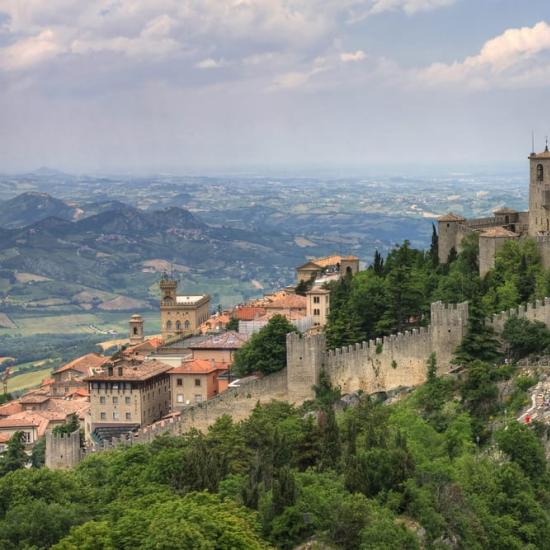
291	301
199	366
13	407
248	313
152	344
85	364
131	371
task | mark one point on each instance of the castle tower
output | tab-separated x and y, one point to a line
449	323
305	358
63	450
136	329
450	235
168	290
539	193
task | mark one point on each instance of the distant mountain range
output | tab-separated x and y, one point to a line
105	246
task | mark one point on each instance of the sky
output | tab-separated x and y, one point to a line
174	86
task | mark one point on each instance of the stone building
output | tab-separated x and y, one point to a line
336	264
318	305
136	329
127	394
70	377
180	315
506	224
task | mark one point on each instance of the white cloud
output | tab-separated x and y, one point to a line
517	57
30	51
347	57
209	63
368	8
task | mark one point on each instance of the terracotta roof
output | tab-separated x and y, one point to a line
215	321
226	340
291	301
85	364
199	366
34	398
451	217
26	419
152	344
131	371
334	259
5	437
504	210
13	407
498	232
248	313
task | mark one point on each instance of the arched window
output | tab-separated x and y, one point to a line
178	325
540	172
187	324
135	330
168	325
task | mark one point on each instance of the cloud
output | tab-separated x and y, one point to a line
410	7
209	63
517	57
347	57
31	51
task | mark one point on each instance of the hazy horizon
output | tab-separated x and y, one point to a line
231	85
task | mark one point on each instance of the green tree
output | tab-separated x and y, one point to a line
479	343
15	456
378	264
265	352
233	324
434	247
525	337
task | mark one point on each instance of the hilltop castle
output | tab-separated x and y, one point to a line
506	224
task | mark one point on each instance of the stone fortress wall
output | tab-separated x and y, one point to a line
538	311
379	365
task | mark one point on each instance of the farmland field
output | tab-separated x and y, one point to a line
28	380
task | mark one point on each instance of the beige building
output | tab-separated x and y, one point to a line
128	394
194	381
335	264
318	305
180	315
506	223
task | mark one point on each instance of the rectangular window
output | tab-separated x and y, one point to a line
198	398
128	416
179	398
316	312
316	299
127	400
180	381
103	416
102	399
115	400
197	381
116	415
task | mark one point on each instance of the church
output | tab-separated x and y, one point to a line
506	224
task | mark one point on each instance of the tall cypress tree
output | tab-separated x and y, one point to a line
434	254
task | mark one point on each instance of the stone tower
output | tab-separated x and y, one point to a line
136	329
449	323
305	357
63	450
539	193
450	235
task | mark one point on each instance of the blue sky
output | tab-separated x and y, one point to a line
181	85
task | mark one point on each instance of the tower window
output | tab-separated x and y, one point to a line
540	172
135	330
178	325
168	325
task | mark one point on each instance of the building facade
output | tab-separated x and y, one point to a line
127	394
335	264
506	224
318	305
181	315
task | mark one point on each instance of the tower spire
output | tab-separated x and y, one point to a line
546	148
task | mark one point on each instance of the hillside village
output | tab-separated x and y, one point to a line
153	378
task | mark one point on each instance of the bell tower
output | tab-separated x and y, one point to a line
136	329
168	289
539	193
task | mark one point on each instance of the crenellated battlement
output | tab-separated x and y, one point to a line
63	450
537	311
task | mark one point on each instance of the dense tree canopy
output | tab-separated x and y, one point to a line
265	352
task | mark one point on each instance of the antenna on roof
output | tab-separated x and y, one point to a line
533	141
546	148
